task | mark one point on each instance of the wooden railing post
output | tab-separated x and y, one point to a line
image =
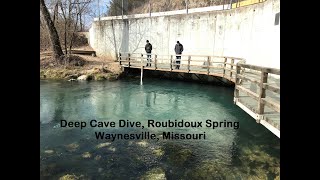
142	60
224	66
232	61
155	62
141	76
189	58
129	59
237	82
171	63
262	93
208	64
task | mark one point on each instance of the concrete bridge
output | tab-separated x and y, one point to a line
257	88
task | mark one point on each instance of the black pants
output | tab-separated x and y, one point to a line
149	60
178	60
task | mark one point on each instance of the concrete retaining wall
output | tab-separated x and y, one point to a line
247	32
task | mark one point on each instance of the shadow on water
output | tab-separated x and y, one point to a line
250	152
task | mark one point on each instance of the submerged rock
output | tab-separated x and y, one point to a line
72	147
97	158
101	145
210	170
154	174
100	170
257	164
71	76
70	177
86	155
49	170
83	77
158	152
72	80
113	149
112	77
180	156
56	126
142	143
49	151
99	77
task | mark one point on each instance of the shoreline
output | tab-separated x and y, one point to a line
79	68
77	74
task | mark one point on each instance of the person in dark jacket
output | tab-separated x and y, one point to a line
148	49
178	49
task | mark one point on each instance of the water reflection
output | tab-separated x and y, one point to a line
248	152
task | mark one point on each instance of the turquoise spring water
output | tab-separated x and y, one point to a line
249	152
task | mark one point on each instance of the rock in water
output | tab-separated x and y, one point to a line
72	147
56	126
154	174
49	151
113	149
83	77
70	177
100	170
103	145
72	80
142	143
158	152
86	155
97	158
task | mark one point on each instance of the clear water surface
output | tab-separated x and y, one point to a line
249	152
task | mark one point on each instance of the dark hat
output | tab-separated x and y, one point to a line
178	42
147	40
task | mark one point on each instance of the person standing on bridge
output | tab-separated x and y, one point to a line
178	49
148	49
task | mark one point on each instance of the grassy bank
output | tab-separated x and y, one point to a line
79	67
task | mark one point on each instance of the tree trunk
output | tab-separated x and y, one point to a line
81	25
65	27
65	36
55	12
80	15
54	38
73	32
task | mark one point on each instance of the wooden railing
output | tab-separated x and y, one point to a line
222	66
257	89
256	101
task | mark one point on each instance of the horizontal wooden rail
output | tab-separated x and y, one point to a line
201	64
259	68
263	79
255	81
271	88
270	103
248	92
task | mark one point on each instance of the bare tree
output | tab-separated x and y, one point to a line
65	25
71	12
68	17
54	38
55	12
80	8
